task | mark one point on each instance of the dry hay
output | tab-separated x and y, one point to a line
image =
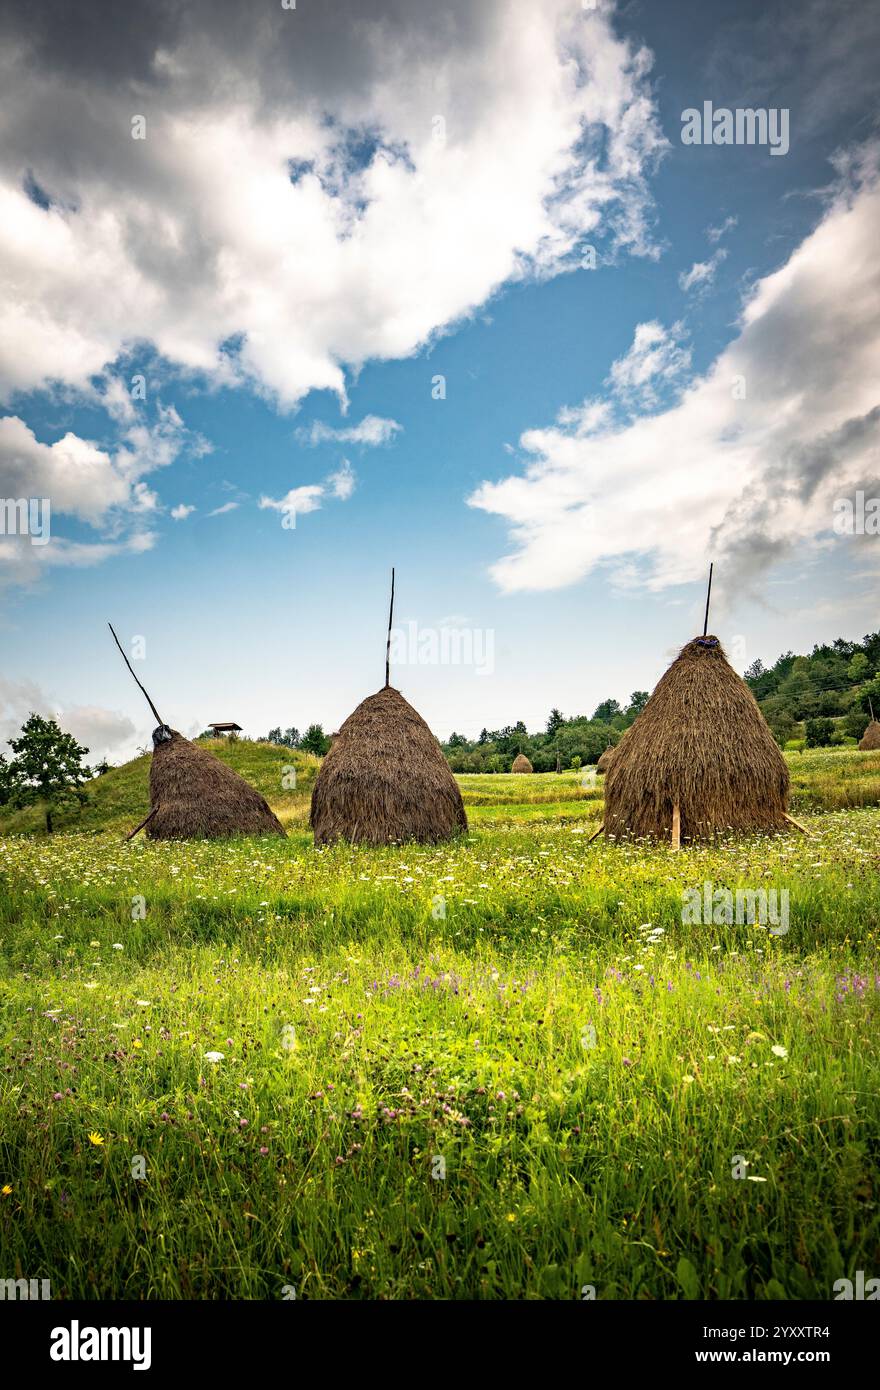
521	764
871	737
385	779
605	758
701	741
195	795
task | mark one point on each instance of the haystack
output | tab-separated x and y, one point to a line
605	758
871	737
197	796
194	795
699	758
521	764
385	779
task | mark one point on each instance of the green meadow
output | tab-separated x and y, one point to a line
499	1068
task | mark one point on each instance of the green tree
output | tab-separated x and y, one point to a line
554	723
819	732
314	740
7	781
607	711
637	701
858	668
47	766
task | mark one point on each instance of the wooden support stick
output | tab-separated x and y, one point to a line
156	715
595	833
796	823
388	643
708	596
676	826
145	821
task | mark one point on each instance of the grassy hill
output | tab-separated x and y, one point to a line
121	798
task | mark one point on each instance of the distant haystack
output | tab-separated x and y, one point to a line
699	758
871	737
605	758
521	764
385	779
194	795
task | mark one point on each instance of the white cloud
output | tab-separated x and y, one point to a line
83	481
227	507
301	500
372	430
281	221
749	479
655	359
716	233
342	483
181	512
100	730
701	273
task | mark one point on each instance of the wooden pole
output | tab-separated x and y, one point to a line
388	643
144	822
796	823
708	596
595	833
676	826
156	714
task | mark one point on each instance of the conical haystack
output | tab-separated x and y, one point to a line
197	796
521	764
605	758
385	779
700	745
871	737
194	795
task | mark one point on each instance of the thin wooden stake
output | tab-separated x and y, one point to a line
156	714
595	833
388	643
144	822
676	826
796	823
708	596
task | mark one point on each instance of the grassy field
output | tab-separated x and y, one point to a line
499	1068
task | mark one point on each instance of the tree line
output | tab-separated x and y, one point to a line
563	743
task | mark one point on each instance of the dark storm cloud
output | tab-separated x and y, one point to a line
317	52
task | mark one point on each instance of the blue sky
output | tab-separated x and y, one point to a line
586	463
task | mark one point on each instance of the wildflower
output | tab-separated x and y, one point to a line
118	946
778	1050
214	1056
96	1139
6	1190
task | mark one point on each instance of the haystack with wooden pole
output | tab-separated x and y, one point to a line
871	737
194	795
521	764
700	759
385	779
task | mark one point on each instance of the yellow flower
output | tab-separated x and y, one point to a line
96	1138
6	1190
511	1216
137	1043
